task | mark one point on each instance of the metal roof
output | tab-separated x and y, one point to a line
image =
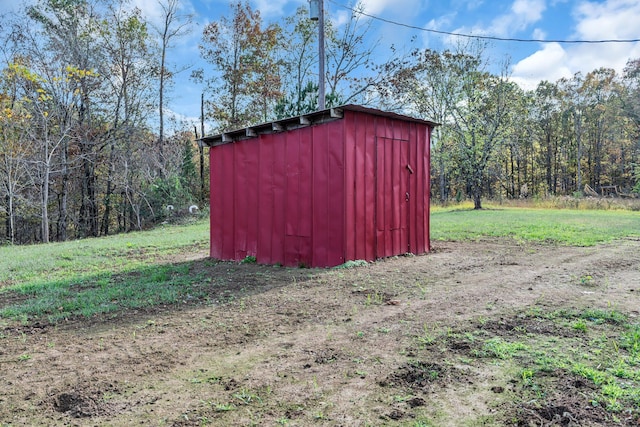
291	123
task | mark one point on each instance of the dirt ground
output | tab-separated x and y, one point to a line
340	347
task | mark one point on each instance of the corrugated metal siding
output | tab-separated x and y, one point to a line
279	197
324	194
328	194
379	220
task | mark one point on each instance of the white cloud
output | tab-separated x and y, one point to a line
539	34
607	20
374	7
441	23
523	13
385	8
270	7
612	19
340	18
550	64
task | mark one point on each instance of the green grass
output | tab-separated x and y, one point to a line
562	226
24	266
92	276
606	354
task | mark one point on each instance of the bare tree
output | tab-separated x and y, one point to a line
174	25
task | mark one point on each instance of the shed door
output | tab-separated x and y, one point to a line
392	197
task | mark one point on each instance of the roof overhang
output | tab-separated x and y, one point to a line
292	123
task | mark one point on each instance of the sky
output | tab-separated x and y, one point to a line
530	62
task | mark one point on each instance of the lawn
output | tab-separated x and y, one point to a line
518	317
562	226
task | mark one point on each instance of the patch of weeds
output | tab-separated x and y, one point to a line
580	325
603	316
630	341
402	398
527	376
24	357
497	347
246	397
249	259
580	362
352	264
207	380
586	280
223	407
374	298
427	338
594	375
319	416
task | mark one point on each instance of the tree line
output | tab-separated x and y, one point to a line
82	145
84	149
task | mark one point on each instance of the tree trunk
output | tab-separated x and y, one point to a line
10	224
109	192
62	220
44	223
548	163
477	199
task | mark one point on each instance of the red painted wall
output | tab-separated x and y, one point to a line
353	188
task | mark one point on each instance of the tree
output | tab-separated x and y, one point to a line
128	101
67	28
454	88
173	26
547	110
14	151
242	55
350	69
600	93
300	93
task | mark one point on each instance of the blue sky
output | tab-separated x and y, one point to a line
524	19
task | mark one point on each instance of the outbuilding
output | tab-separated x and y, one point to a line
341	184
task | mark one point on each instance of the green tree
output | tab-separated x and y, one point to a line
474	109
127	103
242	54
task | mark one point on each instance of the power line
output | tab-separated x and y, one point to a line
502	39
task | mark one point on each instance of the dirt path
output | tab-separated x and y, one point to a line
277	346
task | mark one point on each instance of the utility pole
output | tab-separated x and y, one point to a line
316	12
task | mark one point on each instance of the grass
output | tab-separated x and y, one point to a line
75	260
561	226
92	276
105	293
606	354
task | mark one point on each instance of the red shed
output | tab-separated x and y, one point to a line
318	190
